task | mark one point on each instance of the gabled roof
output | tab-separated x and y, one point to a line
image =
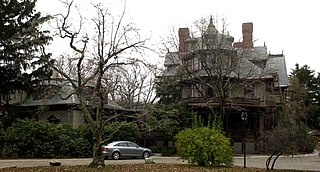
255	54
172	59
247	69
60	92
172	71
277	64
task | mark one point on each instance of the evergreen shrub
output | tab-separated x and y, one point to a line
204	146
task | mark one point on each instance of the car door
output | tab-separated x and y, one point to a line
123	148
134	149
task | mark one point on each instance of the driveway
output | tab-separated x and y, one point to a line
301	162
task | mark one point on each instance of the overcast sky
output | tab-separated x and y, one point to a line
289	26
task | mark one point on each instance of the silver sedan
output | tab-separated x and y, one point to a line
124	149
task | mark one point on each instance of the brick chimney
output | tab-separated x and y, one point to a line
247	30
183	36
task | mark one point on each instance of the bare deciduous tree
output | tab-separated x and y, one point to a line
105	45
134	86
285	139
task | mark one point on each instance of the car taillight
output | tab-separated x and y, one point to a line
104	148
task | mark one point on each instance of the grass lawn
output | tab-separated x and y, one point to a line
138	168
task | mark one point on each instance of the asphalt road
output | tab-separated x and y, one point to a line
302	162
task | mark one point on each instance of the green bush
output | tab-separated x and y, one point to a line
2	141
28	138
306	141
40	139
74	142
128	131
204	146
168	151
82	142
165	151
155	149
65	137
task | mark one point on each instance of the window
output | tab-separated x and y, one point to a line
210	61
186	91
121	145
195	90
210	92
226	63
132	145
248	91
196	64
189	64
269	88
53	119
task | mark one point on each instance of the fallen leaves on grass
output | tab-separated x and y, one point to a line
135	168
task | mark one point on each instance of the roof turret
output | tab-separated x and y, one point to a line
211	29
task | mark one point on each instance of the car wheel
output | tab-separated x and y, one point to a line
145	154
116	155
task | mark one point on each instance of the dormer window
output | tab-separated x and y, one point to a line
53	119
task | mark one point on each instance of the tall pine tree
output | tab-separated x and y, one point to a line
307	80
21	40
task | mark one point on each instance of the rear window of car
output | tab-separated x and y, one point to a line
132	145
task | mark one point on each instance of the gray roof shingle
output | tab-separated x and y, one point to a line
62	95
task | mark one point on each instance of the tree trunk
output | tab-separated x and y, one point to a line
97	159
274	161
268	162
